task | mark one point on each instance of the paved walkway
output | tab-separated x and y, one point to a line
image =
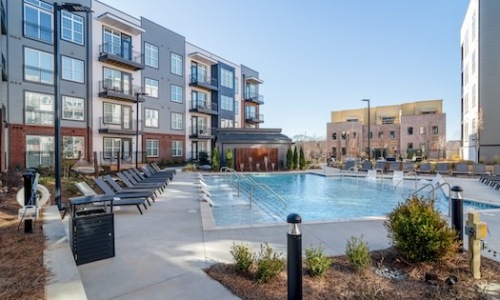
162	254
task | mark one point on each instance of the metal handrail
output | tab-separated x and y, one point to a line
426	185
449	196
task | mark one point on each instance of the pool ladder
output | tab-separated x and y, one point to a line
253	184
434	190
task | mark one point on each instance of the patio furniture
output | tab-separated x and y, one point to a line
424	168
443	168
461	169
479	169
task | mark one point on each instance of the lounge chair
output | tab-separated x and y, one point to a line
367	165
119	189
151	172
130	182
424	168
479	169
136	178
496	169
349	165
394	166
91	195
380	164
443	168
409	166
107	189
461	169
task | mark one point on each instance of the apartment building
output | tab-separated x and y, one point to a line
404	130
128	89
480	46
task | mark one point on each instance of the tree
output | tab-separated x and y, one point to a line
215	159
289	159
229	158
302	159
295	158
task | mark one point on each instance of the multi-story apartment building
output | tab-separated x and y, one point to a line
128	89
394	131
480	47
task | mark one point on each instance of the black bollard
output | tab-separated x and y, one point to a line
28	176
457	213
294	258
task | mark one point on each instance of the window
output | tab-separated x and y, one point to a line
151	118
39	108
39	151
151	87
176	93
226	123
466	131
410	146
117	81
72	146
226	78
474	95
73	108
344	135
370	135
334	136
392	134
72	69
38	66
421	130
251	112
199	74
118	115
38	20
151	55
176	121
352	119
237	107
152	148
111	147
466	103
199	100
227	103
410	130
176	148
354	134
388	120
236	85
473	125
176	64
435	130
117	43
72	27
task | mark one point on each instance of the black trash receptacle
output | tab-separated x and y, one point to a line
92	235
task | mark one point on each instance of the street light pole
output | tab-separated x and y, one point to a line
137	94
369	148
71	7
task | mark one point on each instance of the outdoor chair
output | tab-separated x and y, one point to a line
409	166
496	169
380	164
119	189
349	165
424	168
139	178
461	169
366	165
443	168
479	169
394	166
91	195
130	182
107	189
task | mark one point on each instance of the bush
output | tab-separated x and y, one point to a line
289	159
419	231
269	264
358	253
242	257
316	262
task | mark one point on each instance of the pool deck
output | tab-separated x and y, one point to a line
162	253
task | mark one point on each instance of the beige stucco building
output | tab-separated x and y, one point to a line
403	130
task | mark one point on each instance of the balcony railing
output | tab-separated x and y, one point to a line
2	13
4	69
201	132
120	56
203	107
255	118
124	128
255	98
203	81
118	90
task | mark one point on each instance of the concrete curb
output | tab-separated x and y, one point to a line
64	280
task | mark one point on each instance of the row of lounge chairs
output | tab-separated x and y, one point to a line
492	180
131	187
459	169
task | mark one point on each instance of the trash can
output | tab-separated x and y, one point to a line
92	234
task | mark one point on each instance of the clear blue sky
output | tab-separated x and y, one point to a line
323	55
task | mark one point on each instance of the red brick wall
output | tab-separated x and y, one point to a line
17	138
165	145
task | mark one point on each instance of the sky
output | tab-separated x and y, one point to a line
320	56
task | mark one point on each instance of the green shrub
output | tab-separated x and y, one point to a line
269	264
215	160
316	262
289	159
358	253
243	257
419	231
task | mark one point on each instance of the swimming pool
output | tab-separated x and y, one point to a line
314	197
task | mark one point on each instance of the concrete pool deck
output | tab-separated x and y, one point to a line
162	254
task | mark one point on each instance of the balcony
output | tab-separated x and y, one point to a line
203	107
201	133
115	89
120	23
203	81
254	118
254	80
4	69
117	55
2	19
255	98
124	128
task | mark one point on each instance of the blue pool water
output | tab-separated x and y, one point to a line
315	198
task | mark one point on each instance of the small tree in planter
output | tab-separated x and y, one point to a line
289	159
215	159
302	159
229	158
295	158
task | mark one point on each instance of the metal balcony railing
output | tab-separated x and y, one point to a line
203	80
129	127
203	105
200	131
117	89
258	118
253	97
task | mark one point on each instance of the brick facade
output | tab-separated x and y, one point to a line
165	151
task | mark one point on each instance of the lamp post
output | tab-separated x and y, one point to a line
137	95
71	7
369	148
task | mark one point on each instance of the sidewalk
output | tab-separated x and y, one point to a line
162	254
